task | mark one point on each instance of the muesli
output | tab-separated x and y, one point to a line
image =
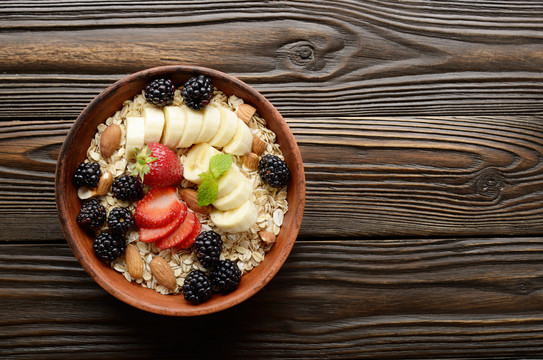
185	189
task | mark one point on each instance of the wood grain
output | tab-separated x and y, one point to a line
308	58
420	127
371	176
335	299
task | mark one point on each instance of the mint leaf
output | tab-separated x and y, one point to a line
206	176
219	164
208	189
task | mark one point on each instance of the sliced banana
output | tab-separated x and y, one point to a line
227	129
236	197
229	180
174	124
235	220
210	124
193	124
154	123
242	141
135	130
197	161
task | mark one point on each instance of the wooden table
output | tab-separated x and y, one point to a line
420	128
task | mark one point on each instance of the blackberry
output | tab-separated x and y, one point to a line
87	174
273	171
108	246
207	247
197	287
120	220
197	92
127	188
160	92
92	215
225	277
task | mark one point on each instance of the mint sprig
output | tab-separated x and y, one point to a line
209	188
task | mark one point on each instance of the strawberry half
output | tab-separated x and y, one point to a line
192	237
153	234
157	165
158	207
180	234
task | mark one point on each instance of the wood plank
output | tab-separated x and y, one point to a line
309	59
337	299
371	176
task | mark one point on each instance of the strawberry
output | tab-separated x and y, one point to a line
192	237
180	234
158	165
154	234
158	207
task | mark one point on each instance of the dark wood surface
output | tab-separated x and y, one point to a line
421	128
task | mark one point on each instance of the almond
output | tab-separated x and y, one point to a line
245	112
190	197
267	236
259	145
163	273
104	184
103	187
134	262
251	160
110	141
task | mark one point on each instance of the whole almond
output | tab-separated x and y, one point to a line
104	184
134	262
267	236
163	273
245	112
251	160
190	197
259	145
110	141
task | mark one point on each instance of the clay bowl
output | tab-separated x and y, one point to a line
73	152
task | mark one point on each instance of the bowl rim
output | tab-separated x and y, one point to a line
61	176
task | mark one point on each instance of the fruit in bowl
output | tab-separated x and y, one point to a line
180	190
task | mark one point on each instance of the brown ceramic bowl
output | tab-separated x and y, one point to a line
73	152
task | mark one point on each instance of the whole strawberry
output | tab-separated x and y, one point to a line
158	165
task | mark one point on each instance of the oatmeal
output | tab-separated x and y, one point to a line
246	248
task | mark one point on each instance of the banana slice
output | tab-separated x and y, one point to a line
174	124
197	161
227	129
238	196
193	124
135	130
154	123
242	141
235	220
210	124
229	180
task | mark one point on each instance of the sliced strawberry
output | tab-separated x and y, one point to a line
181	233
154	234
192	237
158	207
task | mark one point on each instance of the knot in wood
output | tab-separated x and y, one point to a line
302	53
525	288
490	183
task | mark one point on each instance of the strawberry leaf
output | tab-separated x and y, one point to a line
143	158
